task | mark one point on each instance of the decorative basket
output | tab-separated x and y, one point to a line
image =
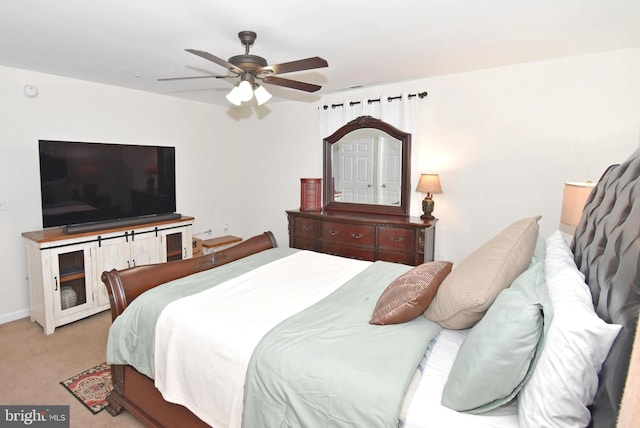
68	297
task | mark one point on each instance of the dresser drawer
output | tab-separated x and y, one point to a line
305	228
347	234
305	243
396	238
360	253
404	258
355	235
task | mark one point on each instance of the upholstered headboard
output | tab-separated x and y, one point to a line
606	249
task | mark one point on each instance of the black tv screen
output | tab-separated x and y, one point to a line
84	182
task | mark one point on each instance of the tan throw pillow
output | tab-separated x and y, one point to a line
409	294
466	294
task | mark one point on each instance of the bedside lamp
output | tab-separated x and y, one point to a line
573	201
429	184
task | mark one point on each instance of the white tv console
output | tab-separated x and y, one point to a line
65	269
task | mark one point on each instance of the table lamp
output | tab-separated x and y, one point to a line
573	201
428	184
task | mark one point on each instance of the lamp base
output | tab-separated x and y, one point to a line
427	208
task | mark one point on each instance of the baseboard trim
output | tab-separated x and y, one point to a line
13	316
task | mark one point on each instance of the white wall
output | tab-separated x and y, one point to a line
277	151
69	109
504	141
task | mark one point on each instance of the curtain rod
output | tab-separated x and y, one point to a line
377	100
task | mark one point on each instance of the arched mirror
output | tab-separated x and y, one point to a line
367	168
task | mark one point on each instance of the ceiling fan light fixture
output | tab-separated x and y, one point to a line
251	67
245	90
234	96
261	94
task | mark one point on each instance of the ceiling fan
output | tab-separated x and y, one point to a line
251	68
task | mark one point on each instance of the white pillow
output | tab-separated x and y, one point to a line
565	379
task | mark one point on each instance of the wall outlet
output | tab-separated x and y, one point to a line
226	226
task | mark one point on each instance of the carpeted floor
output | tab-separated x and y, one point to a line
33	365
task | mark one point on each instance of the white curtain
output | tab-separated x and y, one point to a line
400	111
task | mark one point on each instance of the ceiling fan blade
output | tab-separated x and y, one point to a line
294	84
219	61
164	79
299	65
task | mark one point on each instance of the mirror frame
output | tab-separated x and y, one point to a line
359	123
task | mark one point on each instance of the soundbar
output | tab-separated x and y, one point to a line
70	229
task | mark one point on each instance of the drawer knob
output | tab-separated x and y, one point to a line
356	235
307	228
333	232
394	239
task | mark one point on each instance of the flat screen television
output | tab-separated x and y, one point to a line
85	183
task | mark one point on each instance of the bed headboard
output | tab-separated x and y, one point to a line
606	248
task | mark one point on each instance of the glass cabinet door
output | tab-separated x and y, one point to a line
71	270
175	247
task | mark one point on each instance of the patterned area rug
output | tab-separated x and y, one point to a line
91	387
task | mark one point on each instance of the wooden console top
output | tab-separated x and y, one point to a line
56	234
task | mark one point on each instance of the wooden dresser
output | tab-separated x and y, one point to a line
399	239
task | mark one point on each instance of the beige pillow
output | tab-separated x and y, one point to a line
466	294
409	294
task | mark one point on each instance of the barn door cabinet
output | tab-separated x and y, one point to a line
64	270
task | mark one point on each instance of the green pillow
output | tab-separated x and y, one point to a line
539	251
499	353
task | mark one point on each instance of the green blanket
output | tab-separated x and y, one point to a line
132	335
328	367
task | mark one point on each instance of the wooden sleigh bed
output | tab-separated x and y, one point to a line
131	390
605	248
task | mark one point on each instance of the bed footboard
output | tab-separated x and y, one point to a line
132	390
125	285
137	394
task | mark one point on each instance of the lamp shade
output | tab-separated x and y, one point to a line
245	90
261	94
573	200
151	169
234	96
429	183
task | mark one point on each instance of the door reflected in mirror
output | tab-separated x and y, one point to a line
367	168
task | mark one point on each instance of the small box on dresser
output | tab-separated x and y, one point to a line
310	194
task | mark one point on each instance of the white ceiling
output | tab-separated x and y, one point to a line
132	43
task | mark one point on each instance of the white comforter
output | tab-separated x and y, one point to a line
226	322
